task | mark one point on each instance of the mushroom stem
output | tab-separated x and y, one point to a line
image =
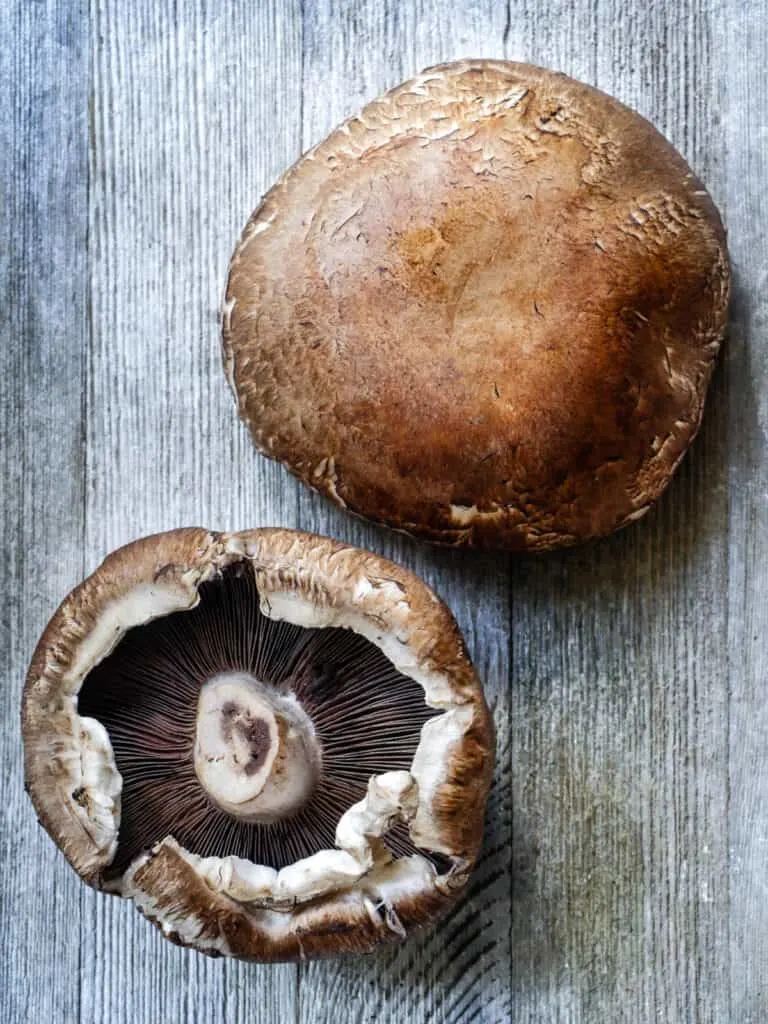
256	752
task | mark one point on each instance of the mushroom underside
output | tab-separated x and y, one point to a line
366	718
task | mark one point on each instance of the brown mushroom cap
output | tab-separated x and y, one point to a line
368	852
484	310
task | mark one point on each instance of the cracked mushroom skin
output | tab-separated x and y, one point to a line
274	744
484	310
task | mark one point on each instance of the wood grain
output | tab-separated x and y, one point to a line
43	278
192	114
626	850
353	52
745	34
619	666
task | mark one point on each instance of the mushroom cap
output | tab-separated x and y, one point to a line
348	899
484	310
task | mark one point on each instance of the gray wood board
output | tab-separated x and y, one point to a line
626	850
43	355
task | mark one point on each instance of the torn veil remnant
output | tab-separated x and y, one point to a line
484	310
274	744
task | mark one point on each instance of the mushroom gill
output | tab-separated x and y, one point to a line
366	719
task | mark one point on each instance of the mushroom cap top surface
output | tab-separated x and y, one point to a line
484	310
342	900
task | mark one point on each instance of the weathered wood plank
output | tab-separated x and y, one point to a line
745	41
619	671
621	782
43	325
195	111
460	972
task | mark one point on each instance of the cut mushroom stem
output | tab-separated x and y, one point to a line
256	751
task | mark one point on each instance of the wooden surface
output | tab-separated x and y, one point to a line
625	872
